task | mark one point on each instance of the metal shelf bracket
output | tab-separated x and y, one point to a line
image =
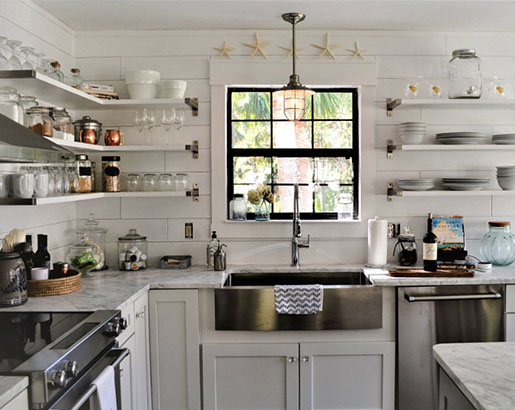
391	192
193	148
390	147
392	104
194	193
193	103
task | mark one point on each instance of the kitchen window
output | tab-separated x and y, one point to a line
320	152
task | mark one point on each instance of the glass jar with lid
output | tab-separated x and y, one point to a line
111	174
84	173
465	79
10	104
73	177
75	79
63	125
238	208
27	102
132	251
498	244
85	255
55	71
408	248
40	121
91	230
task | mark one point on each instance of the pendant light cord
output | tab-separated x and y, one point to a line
293	45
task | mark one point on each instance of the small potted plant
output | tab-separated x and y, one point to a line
261	197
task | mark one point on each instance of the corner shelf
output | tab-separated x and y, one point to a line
31	82
193	193
393	192
82	147
398	103
391	147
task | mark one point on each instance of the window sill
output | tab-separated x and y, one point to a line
289	222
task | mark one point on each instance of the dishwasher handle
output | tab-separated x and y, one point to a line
443	298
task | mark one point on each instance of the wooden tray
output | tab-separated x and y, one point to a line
52	287
440	273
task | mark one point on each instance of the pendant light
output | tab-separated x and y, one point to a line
294	94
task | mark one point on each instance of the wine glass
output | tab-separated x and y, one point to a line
27	51
4	63
149	120
14	61
138	120
45	65
167	120
178	120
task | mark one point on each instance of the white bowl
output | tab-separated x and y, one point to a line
142	91
142	77
506	183
174	88
412	138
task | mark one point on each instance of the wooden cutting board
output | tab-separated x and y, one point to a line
440	273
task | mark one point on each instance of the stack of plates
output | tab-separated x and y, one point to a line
416	184
412	132
506	177
465	184
504	139
461	138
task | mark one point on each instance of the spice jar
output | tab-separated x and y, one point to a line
111	174
132	251
465	79
76	79
40	121
84	172
408	252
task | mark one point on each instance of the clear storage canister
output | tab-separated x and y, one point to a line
92	230
132	251
111	174
465	80
238	208
498	244
10	105
84	172
40	121
27	102
63	125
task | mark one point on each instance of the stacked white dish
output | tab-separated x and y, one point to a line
504	139
506	177
174	88
412	132
424	184
461	138
465	184
142	84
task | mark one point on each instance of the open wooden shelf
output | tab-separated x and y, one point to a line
391	147
394	192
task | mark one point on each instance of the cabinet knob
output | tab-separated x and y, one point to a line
292	359
305	359
140	315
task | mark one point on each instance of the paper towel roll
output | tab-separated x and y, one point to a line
377	241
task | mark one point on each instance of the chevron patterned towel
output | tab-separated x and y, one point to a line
298	299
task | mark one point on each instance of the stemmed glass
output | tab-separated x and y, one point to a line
149	120
178	120
167	120
14	61
4	63
27	51
138	121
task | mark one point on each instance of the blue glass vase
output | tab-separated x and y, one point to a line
498	245
262	212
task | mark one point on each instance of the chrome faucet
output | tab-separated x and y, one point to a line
296	241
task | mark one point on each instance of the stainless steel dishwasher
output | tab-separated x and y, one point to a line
444	314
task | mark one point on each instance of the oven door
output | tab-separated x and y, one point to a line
77	395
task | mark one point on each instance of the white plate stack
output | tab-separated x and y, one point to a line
504	139
506	177
412	132
424	184
462	138
465	184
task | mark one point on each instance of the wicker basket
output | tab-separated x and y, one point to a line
52	287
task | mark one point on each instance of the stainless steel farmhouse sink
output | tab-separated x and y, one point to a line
246	302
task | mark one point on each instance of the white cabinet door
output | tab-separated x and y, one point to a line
141	354
127	381
250	376
342	376
174	349
20	402
451	398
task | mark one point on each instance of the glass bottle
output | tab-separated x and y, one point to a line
465	80
55	71
42	258
238	208
75	79
498	244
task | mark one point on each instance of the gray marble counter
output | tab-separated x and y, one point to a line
10	387
484	372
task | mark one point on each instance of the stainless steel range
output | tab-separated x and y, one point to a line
61	353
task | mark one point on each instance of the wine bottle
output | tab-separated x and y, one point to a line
430	242
42	257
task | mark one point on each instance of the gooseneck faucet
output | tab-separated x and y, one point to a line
296	241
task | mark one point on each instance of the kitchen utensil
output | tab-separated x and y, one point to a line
87	130
13	279
220	257
114	137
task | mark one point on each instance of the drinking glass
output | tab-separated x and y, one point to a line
4	185
178	120
41	183
149	120
134	182
150	182
51	181
39	62
181	182
4	63
14	61
27	51
138	120
58	181
165	182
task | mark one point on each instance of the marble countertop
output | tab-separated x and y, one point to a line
10	387
484	372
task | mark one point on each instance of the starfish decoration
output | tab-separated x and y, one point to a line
357	51
290	51
258	47
224	51
326	49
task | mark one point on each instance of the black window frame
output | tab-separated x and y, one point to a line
352	153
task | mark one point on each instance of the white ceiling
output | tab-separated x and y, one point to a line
457	15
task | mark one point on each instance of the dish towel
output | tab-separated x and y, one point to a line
298	299
105	397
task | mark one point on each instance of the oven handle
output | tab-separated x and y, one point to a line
93	388
442	298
